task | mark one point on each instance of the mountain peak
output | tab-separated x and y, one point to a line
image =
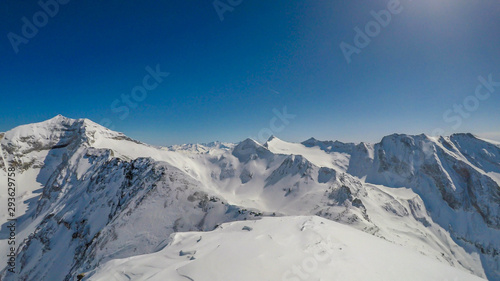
59	116
249	149
463	135
55	132
311	142
273	139
58	119
247	144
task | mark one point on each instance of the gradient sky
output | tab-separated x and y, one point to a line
226	77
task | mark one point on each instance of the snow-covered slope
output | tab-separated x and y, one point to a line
338	160
95	199
88	195
288	248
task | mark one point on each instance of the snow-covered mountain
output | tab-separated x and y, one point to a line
89	200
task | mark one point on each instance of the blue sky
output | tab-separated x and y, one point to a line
232	79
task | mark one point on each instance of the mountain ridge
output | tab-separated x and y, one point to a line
435	184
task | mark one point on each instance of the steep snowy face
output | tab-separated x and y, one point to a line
291	166
38	139
250	150
29	145
452	166
58	131
449	167
457	180
479	153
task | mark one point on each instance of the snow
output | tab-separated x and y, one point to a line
386	190
320	158
285	248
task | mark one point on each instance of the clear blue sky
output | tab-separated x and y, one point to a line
226	77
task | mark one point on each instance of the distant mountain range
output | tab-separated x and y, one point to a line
94	204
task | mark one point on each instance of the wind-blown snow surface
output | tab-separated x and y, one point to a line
286	248
88	195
